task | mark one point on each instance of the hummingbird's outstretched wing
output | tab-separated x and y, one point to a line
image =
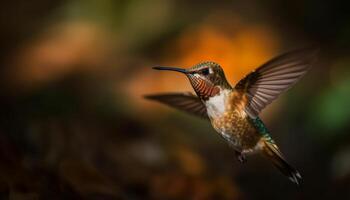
187	102
267	82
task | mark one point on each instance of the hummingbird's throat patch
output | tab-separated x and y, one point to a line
203	88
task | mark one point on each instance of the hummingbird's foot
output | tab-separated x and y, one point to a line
241	158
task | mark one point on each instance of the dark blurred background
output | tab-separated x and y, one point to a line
74	125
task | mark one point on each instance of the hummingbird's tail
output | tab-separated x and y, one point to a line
271	151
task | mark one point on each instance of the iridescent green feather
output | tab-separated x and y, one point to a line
260	126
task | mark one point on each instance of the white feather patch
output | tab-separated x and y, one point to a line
216	105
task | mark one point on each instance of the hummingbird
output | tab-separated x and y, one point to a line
234	111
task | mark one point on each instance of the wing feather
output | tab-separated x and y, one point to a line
267	82
187	102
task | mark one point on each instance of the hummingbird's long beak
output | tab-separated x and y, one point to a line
171	69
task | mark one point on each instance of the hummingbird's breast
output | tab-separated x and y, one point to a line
216	105
227	101
228	117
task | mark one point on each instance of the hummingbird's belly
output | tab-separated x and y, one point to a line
237	129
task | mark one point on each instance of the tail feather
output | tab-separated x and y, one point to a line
271	151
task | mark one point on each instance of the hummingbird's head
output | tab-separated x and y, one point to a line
207	78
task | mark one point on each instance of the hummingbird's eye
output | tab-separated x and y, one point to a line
205	71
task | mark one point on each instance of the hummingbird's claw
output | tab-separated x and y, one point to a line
241	158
